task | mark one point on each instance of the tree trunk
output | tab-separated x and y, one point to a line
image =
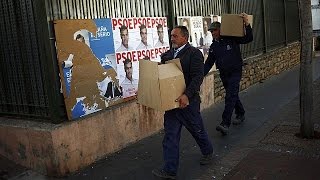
306	102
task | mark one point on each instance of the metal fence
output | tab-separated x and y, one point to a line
255	8
29	75
276	23
22	87
27	83
292	20
199	7
89	9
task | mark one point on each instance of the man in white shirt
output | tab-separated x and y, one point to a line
207	39
129	85
144	37
124	39
160	42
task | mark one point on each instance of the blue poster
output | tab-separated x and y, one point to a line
88	61
67	73
102	44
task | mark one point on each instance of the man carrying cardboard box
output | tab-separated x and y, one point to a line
225	52
188	114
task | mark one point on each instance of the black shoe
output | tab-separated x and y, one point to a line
223	129
163	174
238	120
206	159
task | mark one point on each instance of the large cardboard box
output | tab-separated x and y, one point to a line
160	85
232	25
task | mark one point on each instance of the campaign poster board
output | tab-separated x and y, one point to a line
215	18
207	37
195	27
91	69
196	31
136	39
185	21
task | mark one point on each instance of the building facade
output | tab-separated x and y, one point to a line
32	107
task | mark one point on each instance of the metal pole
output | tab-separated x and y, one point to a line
285	22
171	14
264	18
228	6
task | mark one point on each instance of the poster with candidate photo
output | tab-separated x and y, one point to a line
185	21
196	31
86	58
136	39
99	62
207	37
215	18
195	28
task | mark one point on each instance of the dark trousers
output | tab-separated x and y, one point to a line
231	84
191	118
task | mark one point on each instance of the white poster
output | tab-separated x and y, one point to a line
185	21
196	31
215	18
136	39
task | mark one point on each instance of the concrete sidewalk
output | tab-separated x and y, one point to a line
274	151
273	136
272	119
281	153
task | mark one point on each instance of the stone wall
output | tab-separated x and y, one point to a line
261	67
57	150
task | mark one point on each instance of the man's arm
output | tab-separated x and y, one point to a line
248	37
196	73
209	62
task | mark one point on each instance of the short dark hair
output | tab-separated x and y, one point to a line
79	36
184	30
142	27
126	61
123	27
185	20
159	26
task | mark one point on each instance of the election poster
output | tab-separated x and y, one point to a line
207	37
185	21
195	28
136	39
200	36
99	59
87	64
196	31
215	18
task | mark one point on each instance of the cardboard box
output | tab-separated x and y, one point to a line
232	25
160	85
